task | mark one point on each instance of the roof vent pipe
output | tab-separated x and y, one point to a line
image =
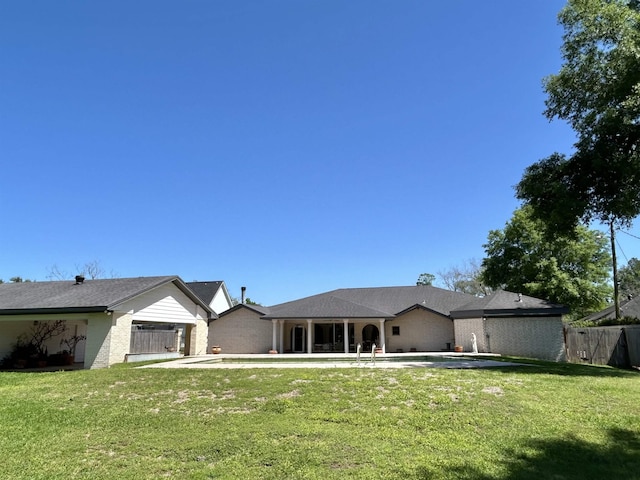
79	279
520	297
243	290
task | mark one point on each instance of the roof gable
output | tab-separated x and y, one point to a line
325	306
89	296
399	299
258	309
205	290
375	302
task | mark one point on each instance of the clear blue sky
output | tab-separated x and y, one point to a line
292	146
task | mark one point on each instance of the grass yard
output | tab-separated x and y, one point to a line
548	421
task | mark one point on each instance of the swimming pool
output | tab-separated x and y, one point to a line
329	361
437	360
344	359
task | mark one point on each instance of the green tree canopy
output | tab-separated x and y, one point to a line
569	269
426	279
597	91
629	278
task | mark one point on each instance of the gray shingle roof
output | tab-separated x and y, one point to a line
90	296
259	309
503	302
376	302
205	290
628	308
325	306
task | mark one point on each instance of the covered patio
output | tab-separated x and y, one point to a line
323	335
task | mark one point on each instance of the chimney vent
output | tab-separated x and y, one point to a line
243	291
79	279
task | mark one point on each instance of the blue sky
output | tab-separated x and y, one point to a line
292	146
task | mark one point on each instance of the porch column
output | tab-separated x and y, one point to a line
281	322
345	336
309	337
382	338
274	345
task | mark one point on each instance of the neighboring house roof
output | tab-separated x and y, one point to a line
376	302
88	296
205	290
503	303
628	308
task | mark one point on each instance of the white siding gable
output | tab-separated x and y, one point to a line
220	302
165	304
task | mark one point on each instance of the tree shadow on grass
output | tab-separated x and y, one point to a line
566	459
562	368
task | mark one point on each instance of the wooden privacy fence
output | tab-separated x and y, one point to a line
617	346
153	341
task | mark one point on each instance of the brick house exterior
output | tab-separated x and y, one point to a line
104	311
397	319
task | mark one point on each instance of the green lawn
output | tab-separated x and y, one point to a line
546	421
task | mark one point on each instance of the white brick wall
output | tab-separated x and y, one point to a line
120	337
199	338
535	337
425	331
464	327
98	341
241	331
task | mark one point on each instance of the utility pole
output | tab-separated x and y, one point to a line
616	294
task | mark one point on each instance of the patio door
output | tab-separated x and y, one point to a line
298	339
370	334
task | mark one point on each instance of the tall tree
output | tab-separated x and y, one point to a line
597	91
569	269
629	277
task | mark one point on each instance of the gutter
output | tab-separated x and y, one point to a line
53	311
516	312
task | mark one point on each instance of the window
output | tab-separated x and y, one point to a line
395	330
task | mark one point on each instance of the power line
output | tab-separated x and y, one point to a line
620	248
630	234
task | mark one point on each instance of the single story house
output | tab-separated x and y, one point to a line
397	319
105	312
629	307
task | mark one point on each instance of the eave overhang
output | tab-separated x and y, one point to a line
54	311
516	312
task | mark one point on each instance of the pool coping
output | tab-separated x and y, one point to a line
324	361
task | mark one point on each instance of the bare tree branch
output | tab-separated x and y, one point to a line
91	270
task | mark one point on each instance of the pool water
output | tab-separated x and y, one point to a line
331	359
